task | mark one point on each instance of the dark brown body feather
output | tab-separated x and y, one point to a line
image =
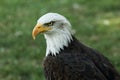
78	62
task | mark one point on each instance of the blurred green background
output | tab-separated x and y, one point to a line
97	24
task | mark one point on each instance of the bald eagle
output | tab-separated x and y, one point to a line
66	57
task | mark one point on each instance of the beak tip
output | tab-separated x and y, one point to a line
33	37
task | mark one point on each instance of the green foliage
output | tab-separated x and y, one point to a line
97	23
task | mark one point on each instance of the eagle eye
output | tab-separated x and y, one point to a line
50	23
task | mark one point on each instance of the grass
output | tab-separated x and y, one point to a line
97	24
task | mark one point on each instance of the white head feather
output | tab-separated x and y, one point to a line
60	34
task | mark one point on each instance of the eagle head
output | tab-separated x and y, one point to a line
56	29
51	23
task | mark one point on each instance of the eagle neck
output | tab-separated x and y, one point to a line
56	42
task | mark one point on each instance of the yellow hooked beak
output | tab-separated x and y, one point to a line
39	29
